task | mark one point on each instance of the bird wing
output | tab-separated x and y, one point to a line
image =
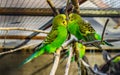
88	33
51	36
40	50
85	28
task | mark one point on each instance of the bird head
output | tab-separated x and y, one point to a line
60	20
73	17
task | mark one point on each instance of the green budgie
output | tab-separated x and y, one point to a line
81	48
82	30
116	60
80	52
54	40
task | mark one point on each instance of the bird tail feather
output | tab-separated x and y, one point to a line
92	38
107	43
34	55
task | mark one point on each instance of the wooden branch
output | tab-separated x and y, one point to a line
95	41
55	65
20	48
22	37
66	10
87	65
76	6
104	30
51	4
68	62
24	29
103	47
79	67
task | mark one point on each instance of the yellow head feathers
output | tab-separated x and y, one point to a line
60	20
73	17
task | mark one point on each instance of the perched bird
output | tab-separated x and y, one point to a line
54	39
79	50
116	60
83	31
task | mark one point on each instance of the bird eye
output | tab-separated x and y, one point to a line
63	22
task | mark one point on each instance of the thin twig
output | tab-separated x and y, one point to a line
87	65
20	48
68	62
24	29
55	65
75	3
51	4
66	10
104	30
79	67
95	41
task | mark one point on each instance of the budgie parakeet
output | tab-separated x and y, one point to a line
116	60
79	53
82	30
79	50
54	39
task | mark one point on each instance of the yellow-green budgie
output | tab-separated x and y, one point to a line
54	39
79	50
82	30
82	49
116	60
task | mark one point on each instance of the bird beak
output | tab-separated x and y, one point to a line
65	22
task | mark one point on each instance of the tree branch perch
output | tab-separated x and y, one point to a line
75	3
17	49
56	61
24	29
68	62
51	4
